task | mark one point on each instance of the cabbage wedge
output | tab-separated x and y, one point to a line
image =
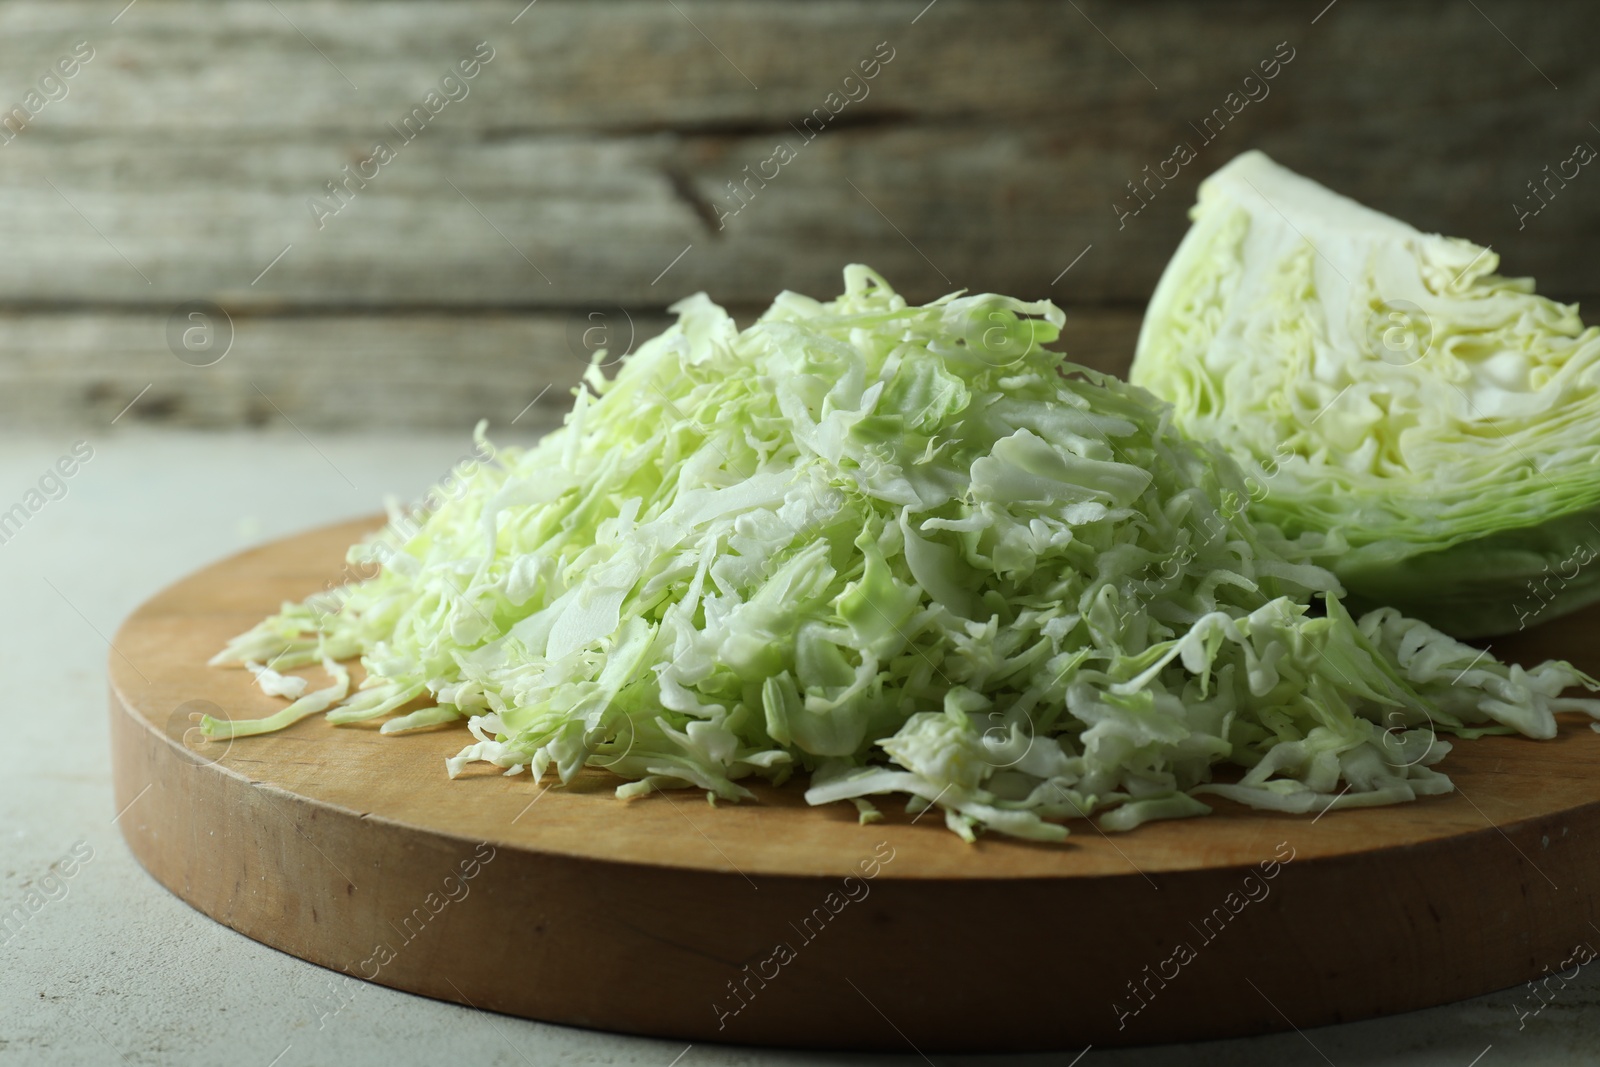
1386	387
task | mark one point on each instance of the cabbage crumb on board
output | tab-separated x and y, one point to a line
902	550
1389	385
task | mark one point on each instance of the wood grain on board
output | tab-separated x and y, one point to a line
777	923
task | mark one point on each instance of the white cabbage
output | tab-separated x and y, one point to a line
1388	387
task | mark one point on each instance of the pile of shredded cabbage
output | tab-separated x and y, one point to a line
905	550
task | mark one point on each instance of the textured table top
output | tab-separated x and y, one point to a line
106	964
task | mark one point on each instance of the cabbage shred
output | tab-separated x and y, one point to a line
903	550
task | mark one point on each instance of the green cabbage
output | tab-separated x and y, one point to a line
1386	386
904	550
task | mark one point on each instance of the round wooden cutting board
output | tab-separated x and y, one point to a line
778	923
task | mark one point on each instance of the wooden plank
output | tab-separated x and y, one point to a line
598	144
319	373
354	65
351	372
198	67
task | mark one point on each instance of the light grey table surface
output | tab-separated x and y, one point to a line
117	970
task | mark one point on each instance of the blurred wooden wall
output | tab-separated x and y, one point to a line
586	173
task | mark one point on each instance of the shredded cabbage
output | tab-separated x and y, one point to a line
904	550
1388	385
